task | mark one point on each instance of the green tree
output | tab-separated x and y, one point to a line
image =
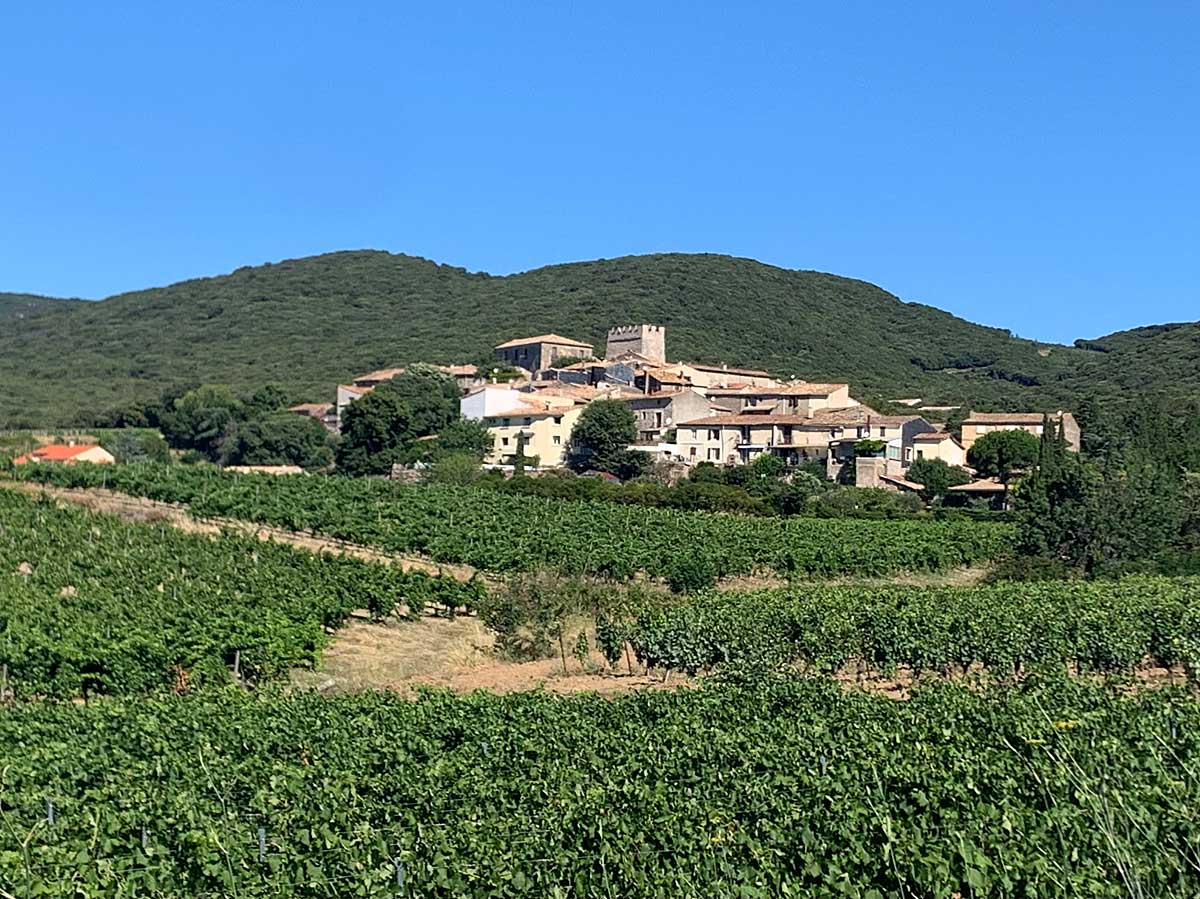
464	437
457	469
204	419
137	445
600	440
377	432
283	438
265	400
936	476
432	397
999	453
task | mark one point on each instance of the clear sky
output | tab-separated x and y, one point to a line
1029	165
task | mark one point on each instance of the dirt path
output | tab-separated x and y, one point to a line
139	509
403	655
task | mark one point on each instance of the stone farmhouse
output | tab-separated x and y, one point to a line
535	353
976	424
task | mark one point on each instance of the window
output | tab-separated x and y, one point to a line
745	433
527	420
692	451
920	454
712	454
558	419
714	434
557	440
504	440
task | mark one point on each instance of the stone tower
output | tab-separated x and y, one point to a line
645	340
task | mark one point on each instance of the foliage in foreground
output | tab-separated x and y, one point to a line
1098	626
90	604
494	531
774	789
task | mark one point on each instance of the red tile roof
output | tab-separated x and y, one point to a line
56	452
543	338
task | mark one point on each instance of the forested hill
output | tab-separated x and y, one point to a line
308	323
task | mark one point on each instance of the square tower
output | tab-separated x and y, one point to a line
645	340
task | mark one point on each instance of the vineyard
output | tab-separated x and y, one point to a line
785	788
1101	626
497	532
192	770
90	604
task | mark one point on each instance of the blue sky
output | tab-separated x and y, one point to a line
1029	165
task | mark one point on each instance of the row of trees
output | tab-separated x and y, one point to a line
215	423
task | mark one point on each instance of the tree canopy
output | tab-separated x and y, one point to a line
414	416
999	453
600	440
936	476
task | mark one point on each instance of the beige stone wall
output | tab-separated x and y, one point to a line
946	450
646	340
96	455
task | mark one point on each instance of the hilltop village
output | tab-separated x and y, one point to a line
689	413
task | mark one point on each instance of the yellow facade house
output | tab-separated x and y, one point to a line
545	421
939	445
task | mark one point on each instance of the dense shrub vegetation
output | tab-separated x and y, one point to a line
506	533
777	789
90	604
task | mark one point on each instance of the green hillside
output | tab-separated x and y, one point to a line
311	322
19	305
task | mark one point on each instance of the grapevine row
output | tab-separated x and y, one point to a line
498	532
783	788
91	604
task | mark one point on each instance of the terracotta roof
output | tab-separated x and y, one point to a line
666	375
383	374
753	372
902	482
531	406
858	415
458	369
821	419
1010	418
354	388
795	389
990	485
55	452
935	436
567	391
655	395
311	408
543	338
